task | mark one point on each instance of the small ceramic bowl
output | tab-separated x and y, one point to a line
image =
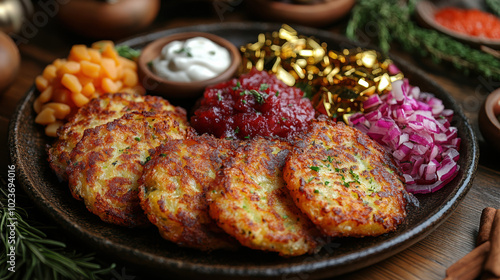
315	15
182	90
488	119
426	10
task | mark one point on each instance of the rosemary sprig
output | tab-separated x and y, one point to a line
393	21
36	256
494	5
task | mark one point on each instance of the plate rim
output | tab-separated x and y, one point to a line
386	249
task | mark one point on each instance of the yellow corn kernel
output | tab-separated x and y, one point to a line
61	95
51	129
41	83
109	86
46	95
71	82
79	99
110	52
127	63
90	69
88	89
95	56
50	72
45	117
100	45
70	67
59	62
79	53
37	105
130	78
61	110
109	68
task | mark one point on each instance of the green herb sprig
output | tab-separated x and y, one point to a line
127	52
38	257
393	21
494	5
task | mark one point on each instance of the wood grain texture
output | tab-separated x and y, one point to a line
427	259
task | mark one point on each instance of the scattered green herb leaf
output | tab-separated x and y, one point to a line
127	52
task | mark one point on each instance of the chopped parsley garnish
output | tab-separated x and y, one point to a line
259	96
243	101
163	155
263	87
316	191
315	168
247	137
187	51
327	183
211	52
285	217
137	139
219	96
355	176
238	86
237	130
277	93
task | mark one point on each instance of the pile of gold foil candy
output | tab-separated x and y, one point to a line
338	81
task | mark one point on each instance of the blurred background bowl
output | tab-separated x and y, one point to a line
108	19
314	14
489	123
425	12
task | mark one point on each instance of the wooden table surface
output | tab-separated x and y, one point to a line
429	258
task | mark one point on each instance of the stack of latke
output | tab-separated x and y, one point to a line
133	159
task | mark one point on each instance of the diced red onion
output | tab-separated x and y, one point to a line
415	127
372	101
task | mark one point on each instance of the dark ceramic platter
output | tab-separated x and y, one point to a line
145	247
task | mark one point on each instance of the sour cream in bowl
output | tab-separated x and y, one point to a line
182	65
195	59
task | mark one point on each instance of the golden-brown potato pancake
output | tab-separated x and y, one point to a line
345	182
98	111
172	191
107	162
250	202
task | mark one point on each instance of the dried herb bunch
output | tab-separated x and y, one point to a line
393	22
36	255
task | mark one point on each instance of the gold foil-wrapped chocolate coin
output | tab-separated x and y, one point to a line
336	81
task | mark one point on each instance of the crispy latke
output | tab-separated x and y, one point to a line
172	191
345	182
98	111
250	202
107	162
